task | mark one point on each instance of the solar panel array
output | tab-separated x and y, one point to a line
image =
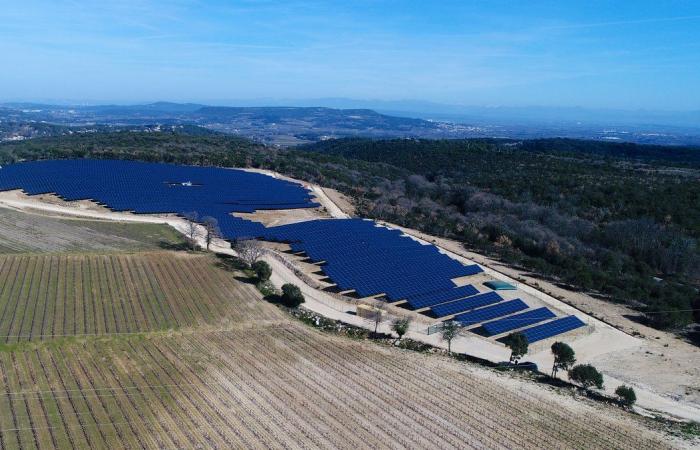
482	308
518	321
357	254
151	188
473	302
373	260
490	312
553	328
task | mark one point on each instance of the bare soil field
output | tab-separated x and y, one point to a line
275	217
284	386
343	202
21	232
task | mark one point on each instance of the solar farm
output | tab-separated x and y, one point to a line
357	255
108	340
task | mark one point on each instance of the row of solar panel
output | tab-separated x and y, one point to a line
442	296
478	315
490	312
371	260
465	304
518	321
363	269
553	328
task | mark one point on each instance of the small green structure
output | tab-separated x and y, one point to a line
498	285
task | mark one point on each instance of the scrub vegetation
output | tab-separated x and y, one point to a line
621	221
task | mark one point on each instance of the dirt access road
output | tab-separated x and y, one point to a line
649	381
664	369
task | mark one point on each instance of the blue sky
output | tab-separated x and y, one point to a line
612	54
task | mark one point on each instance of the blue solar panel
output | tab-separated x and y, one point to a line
549	329
161	188
490	312
373	260
434	298
359	255
465	304
518	321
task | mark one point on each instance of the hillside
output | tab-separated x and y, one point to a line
456	154
232	371
271	125
30	233
602	217
288	124
619	220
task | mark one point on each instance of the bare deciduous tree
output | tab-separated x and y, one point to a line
378	316
249	250
211	229
450	330
400	326
192	228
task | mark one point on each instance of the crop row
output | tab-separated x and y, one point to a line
45	296
281	386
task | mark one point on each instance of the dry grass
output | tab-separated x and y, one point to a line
24	233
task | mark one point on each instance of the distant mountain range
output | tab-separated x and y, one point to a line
508	115
314	120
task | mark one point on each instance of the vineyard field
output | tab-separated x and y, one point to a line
32	233
284	386
129	347
46	296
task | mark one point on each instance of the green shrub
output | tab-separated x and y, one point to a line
517	342
262	270
400	326
586	375
291	295
413	345
266	288
626	395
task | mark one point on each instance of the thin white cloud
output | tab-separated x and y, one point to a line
621	22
